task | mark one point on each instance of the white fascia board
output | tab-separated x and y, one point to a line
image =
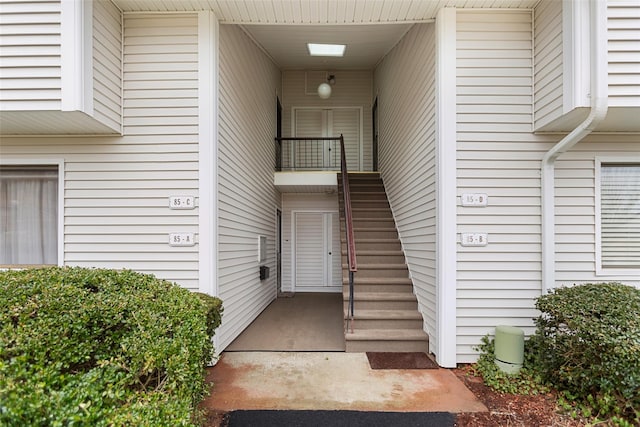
208	39
446	245
575	55
313	179
76	55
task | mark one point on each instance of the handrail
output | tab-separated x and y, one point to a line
348	220
307	153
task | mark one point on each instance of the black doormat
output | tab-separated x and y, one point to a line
417	360
339	419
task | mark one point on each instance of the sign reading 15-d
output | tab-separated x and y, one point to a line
182	202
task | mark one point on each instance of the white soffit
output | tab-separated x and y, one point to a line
366	44
318	11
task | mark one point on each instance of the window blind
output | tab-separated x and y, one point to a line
620	215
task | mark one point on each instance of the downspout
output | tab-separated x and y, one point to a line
599	106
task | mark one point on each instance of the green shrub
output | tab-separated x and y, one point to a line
526	381
588	341
101	348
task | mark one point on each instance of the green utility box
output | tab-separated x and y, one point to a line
509	349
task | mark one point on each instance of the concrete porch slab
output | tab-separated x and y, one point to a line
331	381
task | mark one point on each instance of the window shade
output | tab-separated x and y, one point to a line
28	215
620	215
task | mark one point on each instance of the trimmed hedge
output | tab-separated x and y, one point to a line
588	341
101	348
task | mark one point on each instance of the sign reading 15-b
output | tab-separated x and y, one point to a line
182	202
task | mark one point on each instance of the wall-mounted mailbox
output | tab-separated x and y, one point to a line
264	272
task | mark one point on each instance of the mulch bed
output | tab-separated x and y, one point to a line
509	409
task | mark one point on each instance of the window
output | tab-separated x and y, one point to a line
619	216
28	215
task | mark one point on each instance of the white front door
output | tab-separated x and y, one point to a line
317	252
328	123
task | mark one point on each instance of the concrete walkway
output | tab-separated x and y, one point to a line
331	381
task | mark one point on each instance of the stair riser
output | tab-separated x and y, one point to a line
370	204
373	223
362	199
366	195
376	259
358	287
375	246
381	305
374	234
384	214
387	324
364	273
393	346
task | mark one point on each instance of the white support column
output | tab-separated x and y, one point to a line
208	151
446	187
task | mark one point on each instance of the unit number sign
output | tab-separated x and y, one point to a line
181	202
181	239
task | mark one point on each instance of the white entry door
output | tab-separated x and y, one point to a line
331	123
316	252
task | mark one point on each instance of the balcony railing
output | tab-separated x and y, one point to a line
300	154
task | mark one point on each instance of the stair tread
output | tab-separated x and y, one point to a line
386	334
388	314
374	240
380	280
379	252
395	266
372	229
380	296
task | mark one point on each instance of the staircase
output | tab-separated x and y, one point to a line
386	316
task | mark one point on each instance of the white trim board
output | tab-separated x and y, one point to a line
208	151
446	187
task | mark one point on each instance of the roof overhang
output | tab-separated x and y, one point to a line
329	12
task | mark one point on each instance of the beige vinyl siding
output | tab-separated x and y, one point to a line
499	156
352	89
548	60
247	198
116	189
316	202
405	85
107	64
30	63
624	52
576	210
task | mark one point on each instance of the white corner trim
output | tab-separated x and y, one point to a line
76	55
576	57
446	246
208	151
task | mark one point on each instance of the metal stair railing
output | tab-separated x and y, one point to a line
351	244
307	153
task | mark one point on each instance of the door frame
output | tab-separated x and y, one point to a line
342	107
329	235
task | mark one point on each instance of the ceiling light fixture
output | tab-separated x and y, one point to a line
324	89
323	49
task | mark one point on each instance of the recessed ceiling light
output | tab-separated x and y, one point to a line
319	49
